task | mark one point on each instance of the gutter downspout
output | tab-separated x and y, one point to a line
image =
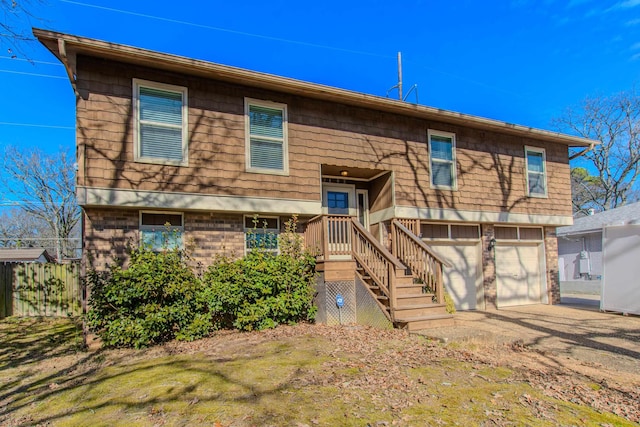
69	62
583	152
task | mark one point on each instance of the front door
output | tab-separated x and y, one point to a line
339	199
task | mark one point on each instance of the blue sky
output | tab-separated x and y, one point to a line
519	61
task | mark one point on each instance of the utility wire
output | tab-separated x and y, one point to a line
31	60
226	30
36	125
33	74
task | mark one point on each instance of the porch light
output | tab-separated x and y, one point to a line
344	173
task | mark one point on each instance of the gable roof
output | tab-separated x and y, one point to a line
66	47
24	255
594	223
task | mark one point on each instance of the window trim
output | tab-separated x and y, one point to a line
274	230
248	102
137	149
453	162
142	227
527	150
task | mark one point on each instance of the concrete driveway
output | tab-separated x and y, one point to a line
578	330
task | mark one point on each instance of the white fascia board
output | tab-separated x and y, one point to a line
109	197
454	215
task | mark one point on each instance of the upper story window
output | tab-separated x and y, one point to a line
266	137
536	172
442	159
161	230
160	116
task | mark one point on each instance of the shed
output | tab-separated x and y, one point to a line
580	245
25	255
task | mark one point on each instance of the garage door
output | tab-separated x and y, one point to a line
463	280
518	274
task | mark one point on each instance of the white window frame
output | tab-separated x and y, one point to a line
137	149
142	228
259	228
527	150
453	162
248	102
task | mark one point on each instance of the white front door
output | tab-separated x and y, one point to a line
339	199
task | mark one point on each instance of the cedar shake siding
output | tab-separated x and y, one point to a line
491	171
367	156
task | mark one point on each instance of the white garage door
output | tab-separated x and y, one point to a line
463	280
519	274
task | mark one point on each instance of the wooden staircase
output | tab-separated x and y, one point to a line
408	288
415	309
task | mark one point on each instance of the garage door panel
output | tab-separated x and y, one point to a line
518	275
461	278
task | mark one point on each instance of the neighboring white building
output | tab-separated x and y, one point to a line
580	245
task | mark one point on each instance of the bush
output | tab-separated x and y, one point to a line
156	299
263	289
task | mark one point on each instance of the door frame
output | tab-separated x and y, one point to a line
350	189
364	192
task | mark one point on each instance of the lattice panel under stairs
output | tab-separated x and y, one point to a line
368	312
346	314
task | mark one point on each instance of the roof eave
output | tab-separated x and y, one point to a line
175	63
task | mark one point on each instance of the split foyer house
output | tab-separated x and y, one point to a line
397	200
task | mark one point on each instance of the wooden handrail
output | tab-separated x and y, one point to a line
420	243
423	263
384	251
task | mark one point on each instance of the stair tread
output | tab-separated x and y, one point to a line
415	306
427	317
409	296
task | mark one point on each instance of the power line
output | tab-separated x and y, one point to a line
36	125
226	30
31	60
33	74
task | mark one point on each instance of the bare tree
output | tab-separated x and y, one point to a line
586	191
15	24
45	187
615	122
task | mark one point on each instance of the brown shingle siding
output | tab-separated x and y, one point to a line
490	166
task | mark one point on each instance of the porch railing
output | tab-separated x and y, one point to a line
377	262
424	264
337	236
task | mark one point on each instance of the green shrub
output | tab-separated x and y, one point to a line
156	299
449	304
263	289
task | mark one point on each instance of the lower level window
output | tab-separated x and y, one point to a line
161	230
261	232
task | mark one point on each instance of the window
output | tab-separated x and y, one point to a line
161	230
518	233
442	159
433	231
160	123
536	172
261	232
266	137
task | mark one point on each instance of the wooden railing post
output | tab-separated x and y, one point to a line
325	237
439	285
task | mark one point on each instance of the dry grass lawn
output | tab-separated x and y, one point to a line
307	375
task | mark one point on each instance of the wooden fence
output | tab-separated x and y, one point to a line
38	289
